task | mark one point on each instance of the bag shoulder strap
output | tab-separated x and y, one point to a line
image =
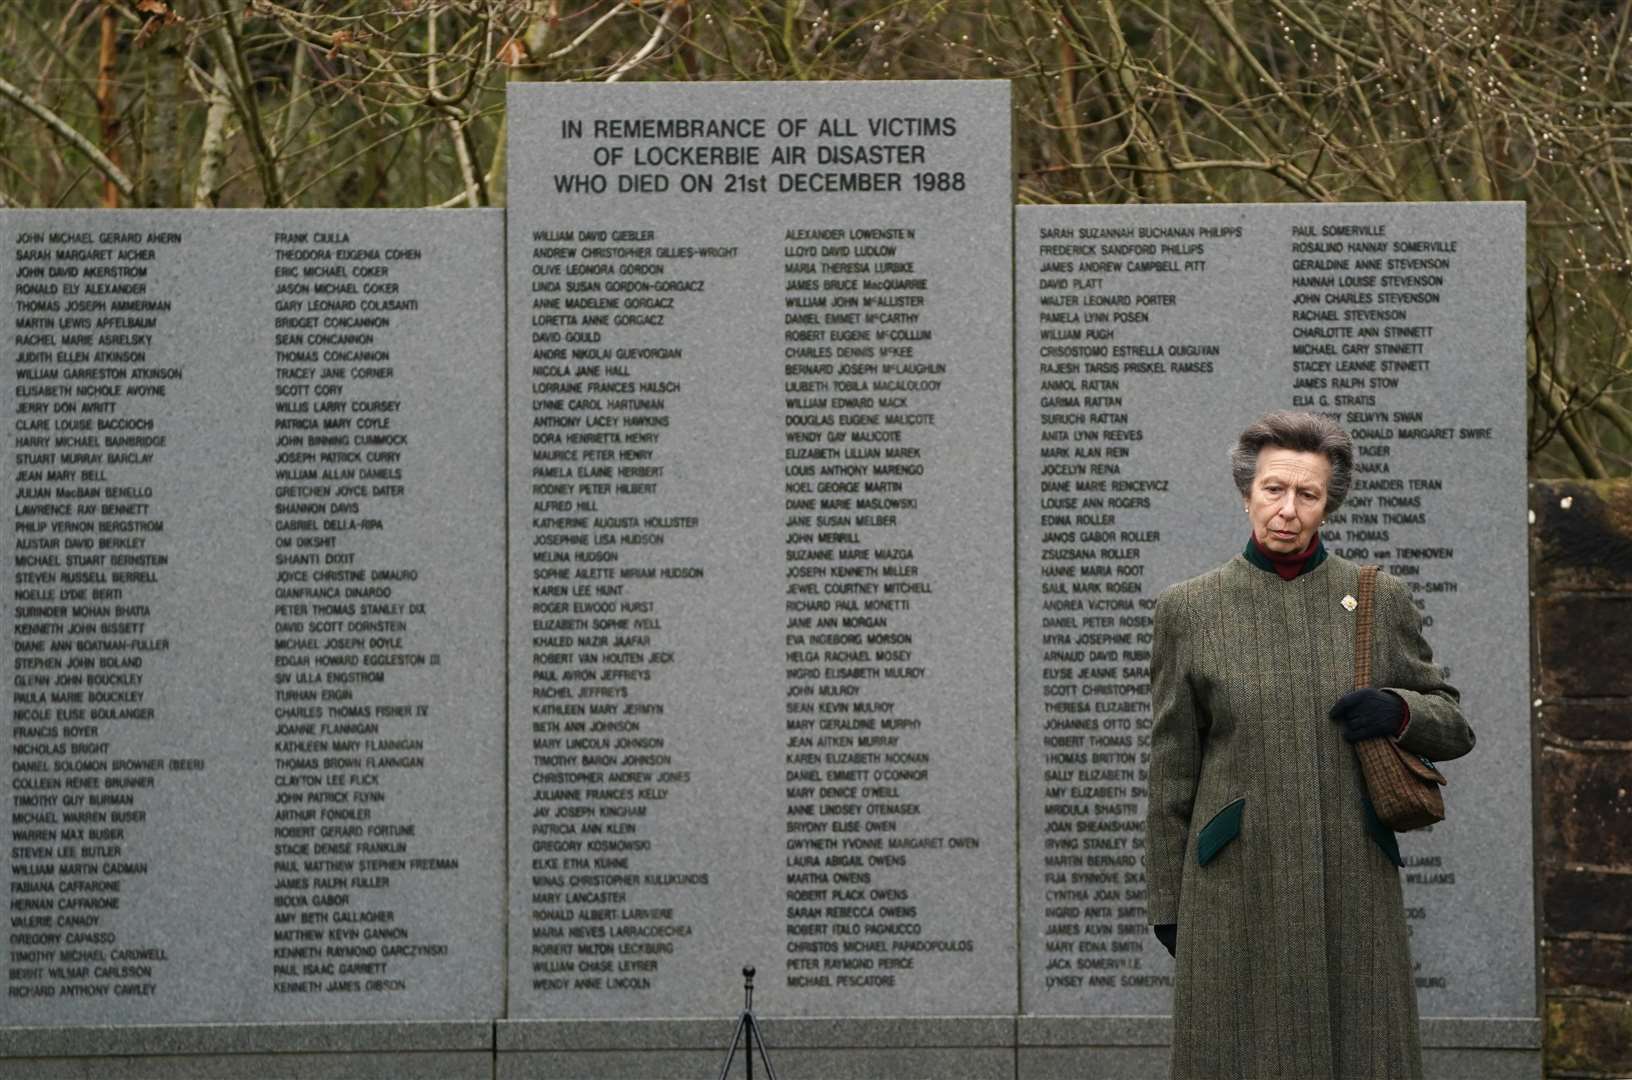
1362	627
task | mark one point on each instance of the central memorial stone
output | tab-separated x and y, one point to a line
761	681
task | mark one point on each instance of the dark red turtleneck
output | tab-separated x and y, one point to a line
1288	566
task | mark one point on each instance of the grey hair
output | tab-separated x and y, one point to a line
1307	432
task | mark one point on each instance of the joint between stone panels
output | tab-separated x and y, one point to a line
1561	994
1590	868
1588	935
1600	745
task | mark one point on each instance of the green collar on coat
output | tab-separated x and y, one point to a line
1257	558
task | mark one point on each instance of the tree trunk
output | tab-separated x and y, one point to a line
107	107
160	181
212	147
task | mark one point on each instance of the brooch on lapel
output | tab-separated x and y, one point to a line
1349	603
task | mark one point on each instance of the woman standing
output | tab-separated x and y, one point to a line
1268	876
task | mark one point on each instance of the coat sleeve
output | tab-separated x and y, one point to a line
1437	729
1175	761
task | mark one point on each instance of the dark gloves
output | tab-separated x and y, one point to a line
1368	713
1168	935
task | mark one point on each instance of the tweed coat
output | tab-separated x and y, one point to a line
1293	957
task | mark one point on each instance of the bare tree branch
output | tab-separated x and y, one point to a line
645	50
67	134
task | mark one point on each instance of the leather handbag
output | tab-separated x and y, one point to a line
1404	787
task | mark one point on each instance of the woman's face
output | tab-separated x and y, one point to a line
1288	499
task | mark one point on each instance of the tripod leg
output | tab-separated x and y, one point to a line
756	1039
731	1055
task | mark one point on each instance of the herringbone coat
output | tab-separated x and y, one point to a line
1293	957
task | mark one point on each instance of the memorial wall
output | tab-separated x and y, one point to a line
253	570
1147	338
761	559
740	551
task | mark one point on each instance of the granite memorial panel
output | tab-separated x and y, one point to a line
1147	338
761	667
253	568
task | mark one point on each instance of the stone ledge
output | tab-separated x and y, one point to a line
1150	1063
154	1040
1095	1031
856	1063
1438	1032
412	1065
704	1034
1485	1033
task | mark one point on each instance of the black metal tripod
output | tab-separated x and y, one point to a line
749	1027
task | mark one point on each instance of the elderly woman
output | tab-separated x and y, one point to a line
1269	876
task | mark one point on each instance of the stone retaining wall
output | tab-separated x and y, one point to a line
1581	544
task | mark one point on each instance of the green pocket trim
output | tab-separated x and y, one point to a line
1224	827
1382	834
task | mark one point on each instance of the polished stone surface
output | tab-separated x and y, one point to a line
1147	338
761	680
255	509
